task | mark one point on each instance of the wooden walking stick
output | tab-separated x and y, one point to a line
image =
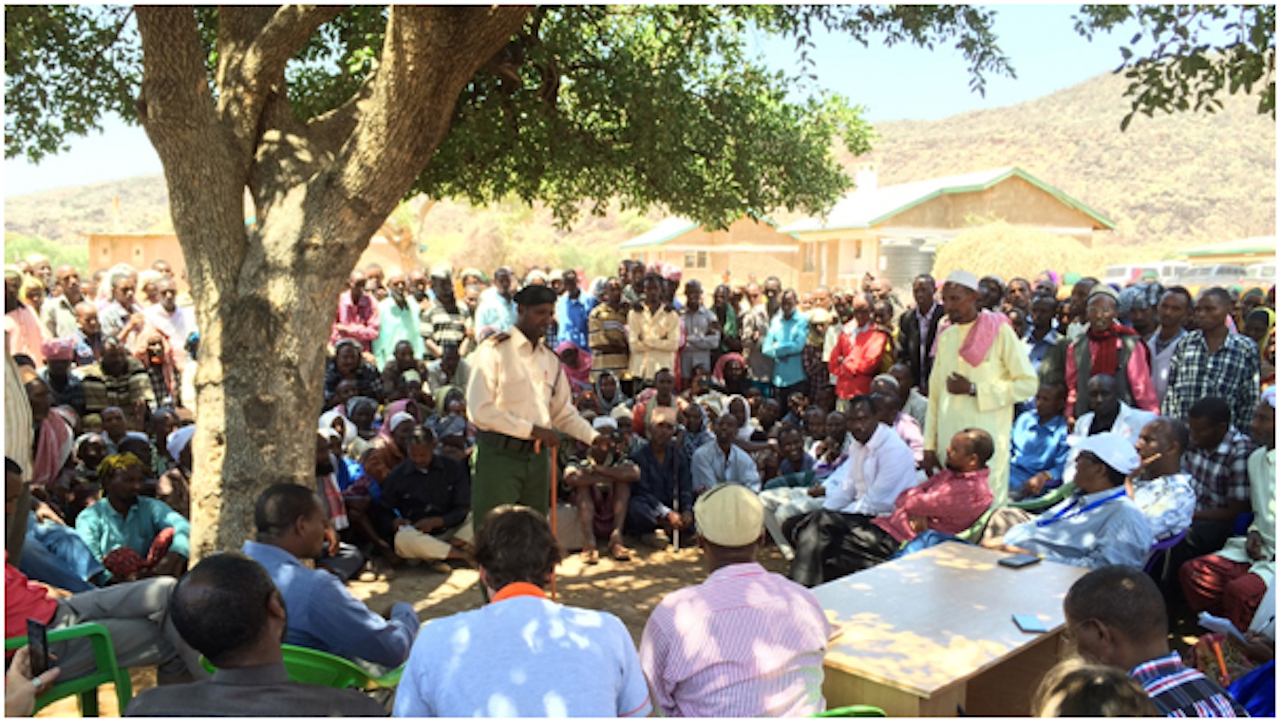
552	475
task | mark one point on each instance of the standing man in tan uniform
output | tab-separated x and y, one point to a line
518	397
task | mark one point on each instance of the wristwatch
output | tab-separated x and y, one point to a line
973	389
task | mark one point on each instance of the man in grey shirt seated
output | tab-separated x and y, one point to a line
228	609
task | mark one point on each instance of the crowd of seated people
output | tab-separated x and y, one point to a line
1062	418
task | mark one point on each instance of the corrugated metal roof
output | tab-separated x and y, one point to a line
666	230
1257	244
868	207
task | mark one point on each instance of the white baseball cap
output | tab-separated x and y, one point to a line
1113	449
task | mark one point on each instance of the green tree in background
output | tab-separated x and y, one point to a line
330	116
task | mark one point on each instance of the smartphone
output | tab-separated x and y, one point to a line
38	642
1029	623
1018	561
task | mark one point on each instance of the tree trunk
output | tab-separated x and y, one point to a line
265	295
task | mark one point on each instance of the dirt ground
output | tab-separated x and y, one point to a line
629	590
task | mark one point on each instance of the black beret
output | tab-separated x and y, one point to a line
535	295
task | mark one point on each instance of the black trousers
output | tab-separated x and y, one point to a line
830	545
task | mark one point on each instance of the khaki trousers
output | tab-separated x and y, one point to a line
413	544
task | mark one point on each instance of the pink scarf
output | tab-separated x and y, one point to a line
981	335
579	376
52	450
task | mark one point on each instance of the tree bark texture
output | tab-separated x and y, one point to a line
265	292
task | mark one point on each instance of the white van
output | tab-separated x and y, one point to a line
1166	271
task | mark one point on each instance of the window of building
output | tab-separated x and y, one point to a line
810	254
695	259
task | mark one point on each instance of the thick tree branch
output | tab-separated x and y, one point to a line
429	54
177	111
254	44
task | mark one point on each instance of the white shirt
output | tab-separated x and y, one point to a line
1168	503
1128	423
515	385
873	476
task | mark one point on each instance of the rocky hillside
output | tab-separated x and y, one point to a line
1184	179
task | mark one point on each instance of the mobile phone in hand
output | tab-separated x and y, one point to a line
38	643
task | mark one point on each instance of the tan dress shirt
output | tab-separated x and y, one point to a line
516	385
654	338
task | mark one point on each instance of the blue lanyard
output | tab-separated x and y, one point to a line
1094	505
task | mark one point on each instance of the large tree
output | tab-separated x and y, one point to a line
328	116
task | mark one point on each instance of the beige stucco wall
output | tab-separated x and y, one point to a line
140	250
1013	200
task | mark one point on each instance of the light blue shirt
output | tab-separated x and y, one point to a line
398	324
1036	349
571	319
495	312
323	615
524	656
1037	447
710	467
104	529
784	344
1114	532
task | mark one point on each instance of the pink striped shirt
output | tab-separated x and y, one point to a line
744	643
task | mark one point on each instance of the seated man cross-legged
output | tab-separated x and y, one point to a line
323	615
880	467
662	499
230	611
601	480
426	501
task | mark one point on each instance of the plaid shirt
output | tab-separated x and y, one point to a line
1222	474
160	390
1179	691
1231	373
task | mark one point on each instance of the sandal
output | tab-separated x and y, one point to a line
619	552
590	555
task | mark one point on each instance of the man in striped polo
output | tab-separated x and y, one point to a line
1117	617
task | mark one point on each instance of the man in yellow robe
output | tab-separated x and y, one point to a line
980	371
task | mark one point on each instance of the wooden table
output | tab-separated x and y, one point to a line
925	633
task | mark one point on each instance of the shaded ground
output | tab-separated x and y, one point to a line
629	590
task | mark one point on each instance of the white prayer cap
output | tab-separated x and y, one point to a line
178	439
963	278
604	422
1114	450
729	515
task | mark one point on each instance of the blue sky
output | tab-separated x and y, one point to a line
899	83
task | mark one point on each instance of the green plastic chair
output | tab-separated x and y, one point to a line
311	666
1044	502
107	671
974	532
853	710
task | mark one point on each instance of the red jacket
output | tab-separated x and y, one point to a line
856	359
